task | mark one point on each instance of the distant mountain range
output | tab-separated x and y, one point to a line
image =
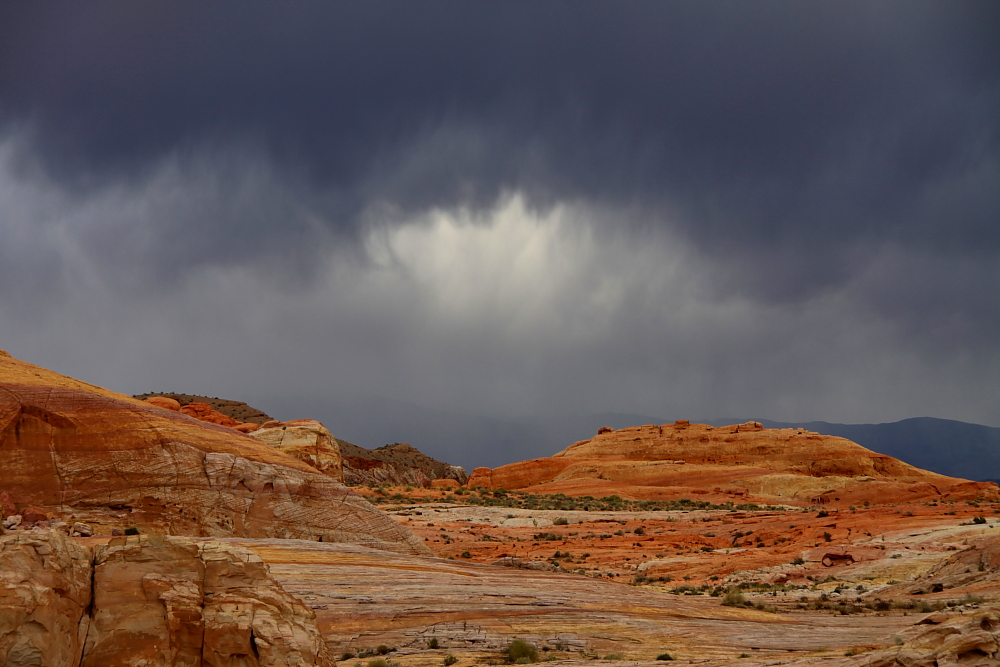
949	447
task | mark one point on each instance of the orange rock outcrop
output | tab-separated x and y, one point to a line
83	453
742	461
307	440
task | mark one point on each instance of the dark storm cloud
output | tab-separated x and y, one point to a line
691	201
768	124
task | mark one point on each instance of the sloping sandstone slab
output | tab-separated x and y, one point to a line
87	453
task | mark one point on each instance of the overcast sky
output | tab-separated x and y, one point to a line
784	210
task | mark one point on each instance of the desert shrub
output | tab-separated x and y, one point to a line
521	652
131	530
664	656
734	598
433	643
642	531
561	521
822	514
466	554
828	537
378	662
799	561
979	519
449	660
347	655
615	656
382	649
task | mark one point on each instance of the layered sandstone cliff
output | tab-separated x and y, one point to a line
739	461
147	601
83	453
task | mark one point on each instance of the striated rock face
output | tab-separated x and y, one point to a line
307	440
174	602
84	453
743	461
45	590
147	601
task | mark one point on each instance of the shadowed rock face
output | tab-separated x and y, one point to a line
742	461
113	461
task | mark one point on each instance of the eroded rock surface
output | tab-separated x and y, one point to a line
45	591
176	602
307	440
87	454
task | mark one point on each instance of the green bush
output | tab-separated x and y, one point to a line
664	656
384	650
734	598
378	662
466	554
433	643
521	652
561	521
449	660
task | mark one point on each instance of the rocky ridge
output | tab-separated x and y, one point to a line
82	453
739	462
396	464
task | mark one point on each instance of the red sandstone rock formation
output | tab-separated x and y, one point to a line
204	412
75	449
174	602
164	402
744	461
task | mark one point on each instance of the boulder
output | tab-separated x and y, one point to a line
247	427
45	590
32	514
204	412
164	402
308	441
81	529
